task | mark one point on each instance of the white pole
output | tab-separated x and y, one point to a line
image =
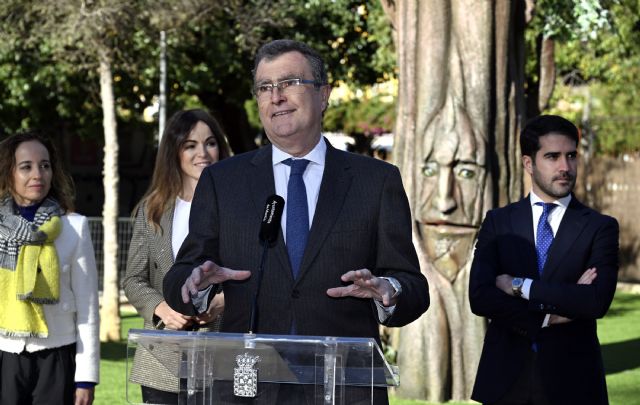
162	113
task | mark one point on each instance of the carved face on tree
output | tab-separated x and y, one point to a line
452	187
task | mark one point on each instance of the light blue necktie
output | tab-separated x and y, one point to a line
544	235
297	214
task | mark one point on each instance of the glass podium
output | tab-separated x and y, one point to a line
229	368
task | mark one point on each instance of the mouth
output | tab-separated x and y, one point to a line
281	113
203	164
564	177
566	180
449	227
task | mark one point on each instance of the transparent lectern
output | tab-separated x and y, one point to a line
229	368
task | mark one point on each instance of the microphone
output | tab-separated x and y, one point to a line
269	229
271	219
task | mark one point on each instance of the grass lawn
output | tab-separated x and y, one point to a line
619	334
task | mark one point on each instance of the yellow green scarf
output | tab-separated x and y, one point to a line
34	281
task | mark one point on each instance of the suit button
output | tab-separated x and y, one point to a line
295	294
541	307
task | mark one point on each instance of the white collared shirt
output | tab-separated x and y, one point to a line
312	177
555	216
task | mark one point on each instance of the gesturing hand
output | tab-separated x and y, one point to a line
206	274
365	285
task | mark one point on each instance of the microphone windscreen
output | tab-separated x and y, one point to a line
271	219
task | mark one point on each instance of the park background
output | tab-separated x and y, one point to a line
89	72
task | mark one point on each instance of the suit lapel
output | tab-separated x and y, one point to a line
573	222
262	185
522	223
336	181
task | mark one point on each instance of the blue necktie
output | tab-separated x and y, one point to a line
297	214
544	235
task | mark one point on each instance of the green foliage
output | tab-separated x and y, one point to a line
37	91
599	47
48	75
353	36
572	20
372	116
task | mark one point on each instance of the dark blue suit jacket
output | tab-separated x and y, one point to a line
568	354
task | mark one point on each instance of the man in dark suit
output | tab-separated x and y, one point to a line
545	268
358	267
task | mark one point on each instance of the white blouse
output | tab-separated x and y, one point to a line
180	226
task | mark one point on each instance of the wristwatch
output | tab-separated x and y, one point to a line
395	284
516	286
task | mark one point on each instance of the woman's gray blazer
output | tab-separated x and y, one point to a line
150	258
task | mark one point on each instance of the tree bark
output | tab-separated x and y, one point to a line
109	312
460	106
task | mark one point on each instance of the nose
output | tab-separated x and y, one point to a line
276	95
36	173
202	150
444	200
563	164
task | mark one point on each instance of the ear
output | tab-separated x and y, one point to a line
325	93
527	163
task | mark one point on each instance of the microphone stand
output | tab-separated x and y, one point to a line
254	304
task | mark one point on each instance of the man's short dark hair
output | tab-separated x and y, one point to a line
544	125
278	47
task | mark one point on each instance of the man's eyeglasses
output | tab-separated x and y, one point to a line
285	87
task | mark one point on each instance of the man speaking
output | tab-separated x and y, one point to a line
344	262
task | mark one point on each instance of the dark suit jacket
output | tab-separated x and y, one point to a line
362	220
568	354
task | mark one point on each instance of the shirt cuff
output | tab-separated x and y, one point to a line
384	313
526	288
85	384
200	300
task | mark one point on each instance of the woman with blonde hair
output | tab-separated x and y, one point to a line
49	341
191	141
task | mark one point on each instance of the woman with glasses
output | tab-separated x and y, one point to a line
49	342
191	141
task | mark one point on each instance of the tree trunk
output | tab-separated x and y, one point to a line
460	107
110	310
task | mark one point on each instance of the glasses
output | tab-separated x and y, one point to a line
285	87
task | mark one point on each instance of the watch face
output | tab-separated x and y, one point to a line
517	282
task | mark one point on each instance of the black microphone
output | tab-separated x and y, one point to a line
269	229
271	219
